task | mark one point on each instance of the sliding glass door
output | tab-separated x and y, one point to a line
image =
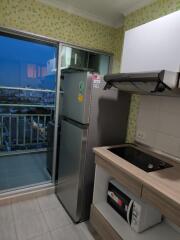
30	104
28	79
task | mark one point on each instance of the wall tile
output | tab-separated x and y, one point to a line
150	135
169	106
168	144
169	123
161	124
148	120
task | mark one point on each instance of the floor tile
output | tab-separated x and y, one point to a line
68	233
45	236
6	215
25	208
88	231
57	218
7	231
48	202
31	226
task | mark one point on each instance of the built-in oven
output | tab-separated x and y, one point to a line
138	214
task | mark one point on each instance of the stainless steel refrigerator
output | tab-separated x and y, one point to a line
91	117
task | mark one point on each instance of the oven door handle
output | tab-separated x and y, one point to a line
129	211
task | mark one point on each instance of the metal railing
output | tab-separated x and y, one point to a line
23	131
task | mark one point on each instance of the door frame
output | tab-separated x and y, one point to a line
59	44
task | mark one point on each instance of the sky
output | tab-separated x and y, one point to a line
15	57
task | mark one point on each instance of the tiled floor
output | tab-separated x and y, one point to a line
40	219
22	170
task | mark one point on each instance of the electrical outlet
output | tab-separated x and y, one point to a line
140	135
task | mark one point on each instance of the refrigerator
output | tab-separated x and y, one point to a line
91	117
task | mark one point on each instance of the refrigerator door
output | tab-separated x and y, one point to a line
77	94
70	185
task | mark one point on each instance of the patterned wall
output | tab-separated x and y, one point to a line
157	9
33	16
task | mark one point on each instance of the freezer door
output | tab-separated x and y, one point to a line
77	94
71	167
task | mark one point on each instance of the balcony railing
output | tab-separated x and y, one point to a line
23	131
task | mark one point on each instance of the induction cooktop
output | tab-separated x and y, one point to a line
140	159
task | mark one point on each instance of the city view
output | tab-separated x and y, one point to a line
27	93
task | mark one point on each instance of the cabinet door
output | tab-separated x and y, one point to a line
126	180
153	46
102	226
167	208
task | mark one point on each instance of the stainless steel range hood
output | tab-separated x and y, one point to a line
152	83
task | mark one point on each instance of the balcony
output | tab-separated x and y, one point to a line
23	131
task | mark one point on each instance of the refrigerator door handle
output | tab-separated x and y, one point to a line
81	185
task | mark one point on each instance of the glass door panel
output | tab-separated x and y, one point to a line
28	75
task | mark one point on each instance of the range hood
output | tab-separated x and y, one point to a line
152	83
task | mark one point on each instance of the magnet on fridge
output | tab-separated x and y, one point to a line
80	98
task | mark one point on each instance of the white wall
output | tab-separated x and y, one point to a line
158	123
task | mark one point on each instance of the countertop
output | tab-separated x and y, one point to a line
164	182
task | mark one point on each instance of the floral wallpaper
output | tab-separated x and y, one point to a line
36	17
33	16
155	10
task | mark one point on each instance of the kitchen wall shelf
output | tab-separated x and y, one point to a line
109	224
163	230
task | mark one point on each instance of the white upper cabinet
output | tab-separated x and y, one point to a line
153	46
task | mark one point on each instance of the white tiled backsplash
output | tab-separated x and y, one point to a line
158	123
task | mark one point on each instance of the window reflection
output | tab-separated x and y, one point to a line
27	93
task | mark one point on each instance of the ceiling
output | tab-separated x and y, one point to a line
108	12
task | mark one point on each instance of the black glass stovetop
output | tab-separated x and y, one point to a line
140	159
